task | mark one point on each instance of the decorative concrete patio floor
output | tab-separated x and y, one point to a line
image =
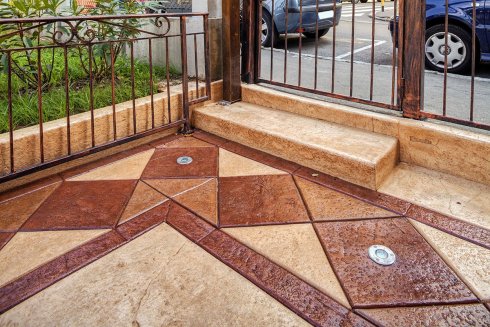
235	237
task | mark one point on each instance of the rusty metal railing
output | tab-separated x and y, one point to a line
23	63
327	84
413	87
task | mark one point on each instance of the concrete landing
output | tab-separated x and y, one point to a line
358	156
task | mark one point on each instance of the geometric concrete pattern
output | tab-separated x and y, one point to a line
235	237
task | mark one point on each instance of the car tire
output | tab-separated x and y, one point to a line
459	44
312	35
364	1
267	31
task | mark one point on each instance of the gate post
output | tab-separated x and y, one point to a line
231	51
249	40
412	47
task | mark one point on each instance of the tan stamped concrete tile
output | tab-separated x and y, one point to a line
128	168
159	279
203	200
465	315
14	212
231	164
187	142
296	248
144	198
471	262
447	194
174	186
26	251
326	204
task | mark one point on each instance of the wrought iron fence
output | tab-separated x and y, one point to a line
276	33
68	60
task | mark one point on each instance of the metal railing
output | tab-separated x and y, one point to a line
409	86
85	41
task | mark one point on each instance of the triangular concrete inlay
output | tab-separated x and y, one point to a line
296	248
231	164
327	204
143	199
26	251
470	261
187	142
124	169
175	186
203	200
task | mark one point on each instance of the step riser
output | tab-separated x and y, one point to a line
430	145
350	169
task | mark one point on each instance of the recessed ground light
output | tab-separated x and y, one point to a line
184	160
382	255
314	175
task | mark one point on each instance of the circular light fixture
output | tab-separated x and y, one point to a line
382	255
184	160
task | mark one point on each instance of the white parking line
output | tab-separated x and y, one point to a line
378	43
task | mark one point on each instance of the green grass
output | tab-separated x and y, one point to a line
25	102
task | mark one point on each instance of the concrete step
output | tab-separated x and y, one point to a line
355	155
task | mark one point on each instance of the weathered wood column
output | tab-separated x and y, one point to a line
231	51
412	50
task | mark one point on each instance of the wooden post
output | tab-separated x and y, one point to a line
249	40
412	47
231	51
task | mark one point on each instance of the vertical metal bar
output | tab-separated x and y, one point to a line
332	90
167	70
150	62
316	45
185	78
133	86
373	33
300	47
196	65
10	111
473	61
446	32
67	101
351	84
395	39
91	88
206	55
286	44
113	93
272	40
259	39
40	104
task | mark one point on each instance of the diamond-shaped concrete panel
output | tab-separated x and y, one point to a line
260	200
419	276
82	205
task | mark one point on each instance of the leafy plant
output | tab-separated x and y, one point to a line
91	38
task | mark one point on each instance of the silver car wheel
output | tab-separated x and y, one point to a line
265	30
435	50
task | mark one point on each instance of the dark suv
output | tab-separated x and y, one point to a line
308	22
459	49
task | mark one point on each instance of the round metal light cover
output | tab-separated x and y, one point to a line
184	160
382	255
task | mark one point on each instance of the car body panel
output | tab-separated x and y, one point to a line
308	22
460	12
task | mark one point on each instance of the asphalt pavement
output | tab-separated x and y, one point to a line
458	86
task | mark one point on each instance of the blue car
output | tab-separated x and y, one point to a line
459	49
295	24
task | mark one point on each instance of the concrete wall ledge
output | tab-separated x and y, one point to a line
27	140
